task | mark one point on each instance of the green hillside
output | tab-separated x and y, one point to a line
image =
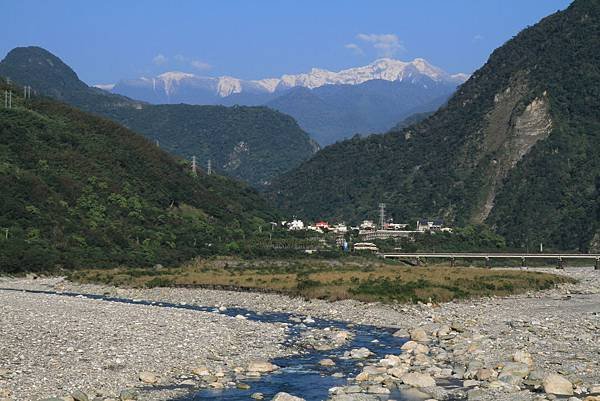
82	191
250	143
517	147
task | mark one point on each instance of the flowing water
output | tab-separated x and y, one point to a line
300	374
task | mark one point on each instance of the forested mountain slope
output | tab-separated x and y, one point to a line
517	147
250	143
80	190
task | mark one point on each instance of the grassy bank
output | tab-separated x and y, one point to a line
357	278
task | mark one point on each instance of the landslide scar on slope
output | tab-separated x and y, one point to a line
510	135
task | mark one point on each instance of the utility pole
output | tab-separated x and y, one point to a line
381	215
194	168
209	167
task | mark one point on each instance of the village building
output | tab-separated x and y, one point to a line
367	225
366	246
424	225
295	225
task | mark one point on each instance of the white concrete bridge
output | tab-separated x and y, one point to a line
452	256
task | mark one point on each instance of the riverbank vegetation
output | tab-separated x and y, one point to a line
364	279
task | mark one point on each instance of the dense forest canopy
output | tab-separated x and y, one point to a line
474	160
82	191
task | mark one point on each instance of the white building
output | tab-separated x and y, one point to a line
295	225
367	225
340	228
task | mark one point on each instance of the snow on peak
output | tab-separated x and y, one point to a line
228	85
171	79
105	87
384	68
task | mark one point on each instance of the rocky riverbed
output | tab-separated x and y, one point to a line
533	346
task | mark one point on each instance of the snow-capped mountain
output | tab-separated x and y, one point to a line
329	105
385	69
170	84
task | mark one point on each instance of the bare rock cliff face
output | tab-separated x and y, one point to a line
510	134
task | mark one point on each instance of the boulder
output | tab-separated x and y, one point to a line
485	374
286	397
257	396
523	357
148	378
397	372
416	379
360	353
128	394
261	367
557	384
401	333
79	395
409	346
419	335
201	371
355	397
374	389
327	362
515	369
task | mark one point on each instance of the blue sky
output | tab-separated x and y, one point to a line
105	40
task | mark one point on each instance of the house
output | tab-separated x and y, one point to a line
429	225
323	225
366	246
340	228
394	226
367	225
295	225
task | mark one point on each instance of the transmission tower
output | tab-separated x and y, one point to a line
8	99
194	167
381	215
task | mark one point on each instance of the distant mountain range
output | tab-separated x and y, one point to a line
250	143
329	105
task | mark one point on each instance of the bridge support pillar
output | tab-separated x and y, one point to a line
453	262
523	262
487	262
418	261
597	265
560	263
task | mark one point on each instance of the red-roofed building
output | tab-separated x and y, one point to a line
323	225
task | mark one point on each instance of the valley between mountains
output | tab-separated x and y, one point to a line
384	231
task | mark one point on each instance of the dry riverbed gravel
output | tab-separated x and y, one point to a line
534	346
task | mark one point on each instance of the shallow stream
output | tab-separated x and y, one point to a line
300	374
